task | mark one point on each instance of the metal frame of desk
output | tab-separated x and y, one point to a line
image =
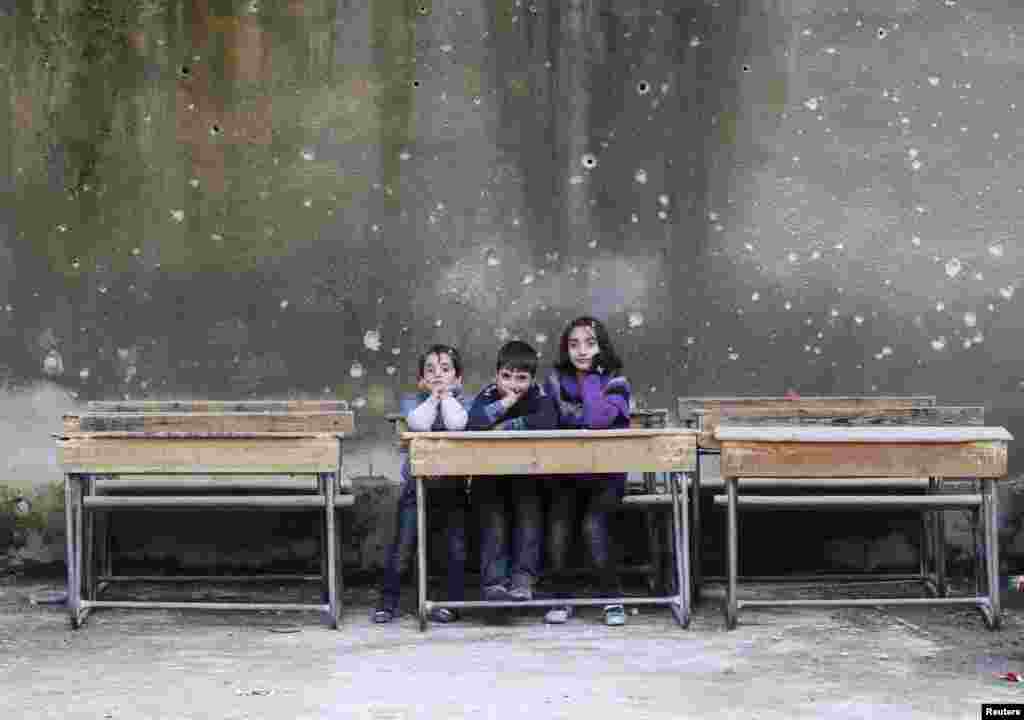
554	452
822	452
85	456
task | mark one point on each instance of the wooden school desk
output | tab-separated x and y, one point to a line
865	452
553	452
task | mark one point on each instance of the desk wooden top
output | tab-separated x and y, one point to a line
895	434
281	453
706	412
531	435
638	418
217	406
551	452
751	451
305	422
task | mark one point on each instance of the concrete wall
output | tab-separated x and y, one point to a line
265	200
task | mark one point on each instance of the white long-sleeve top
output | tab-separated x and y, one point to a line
453	414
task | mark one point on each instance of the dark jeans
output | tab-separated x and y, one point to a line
449	495
599	496
499	500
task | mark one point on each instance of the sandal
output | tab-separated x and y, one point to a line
558	615
443	615
614	615
384	614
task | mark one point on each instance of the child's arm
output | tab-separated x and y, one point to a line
542	413
602	407
453	413
567	415
486	411
421	417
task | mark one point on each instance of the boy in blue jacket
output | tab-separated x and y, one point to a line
514	401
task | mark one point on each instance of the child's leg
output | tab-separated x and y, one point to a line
528	536
490	505
561	514
401	546
562	495
455	504
602	501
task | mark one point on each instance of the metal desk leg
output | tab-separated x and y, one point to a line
73	526
925	555
929	545
69	546
681	541
732	554
993	611
327	481
102	533
940	547
325	593
655	546
339	575
88	542
695	568
421	550
979	547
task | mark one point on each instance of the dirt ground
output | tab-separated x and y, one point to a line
779	663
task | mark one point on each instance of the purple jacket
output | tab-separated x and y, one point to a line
600	402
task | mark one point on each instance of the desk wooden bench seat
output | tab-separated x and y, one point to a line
116	456
552	452
821	453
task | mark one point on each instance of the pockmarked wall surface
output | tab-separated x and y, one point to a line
222	199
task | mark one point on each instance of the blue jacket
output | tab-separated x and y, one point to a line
535	411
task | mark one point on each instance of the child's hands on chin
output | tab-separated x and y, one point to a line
510	398
445	390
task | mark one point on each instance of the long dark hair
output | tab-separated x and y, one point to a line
609	358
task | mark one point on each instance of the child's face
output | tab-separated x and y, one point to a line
582	347
438	371
512	382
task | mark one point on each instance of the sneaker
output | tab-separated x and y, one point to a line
384	614
558	615
521	591
614	615
498	592
443	615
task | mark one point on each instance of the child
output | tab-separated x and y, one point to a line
589	393
512	402
437	406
